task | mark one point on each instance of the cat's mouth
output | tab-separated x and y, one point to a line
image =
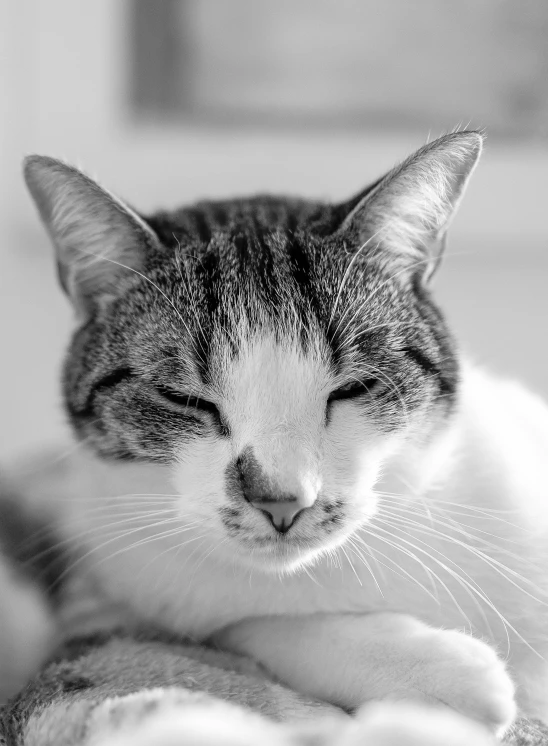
277	553
262	542
282	552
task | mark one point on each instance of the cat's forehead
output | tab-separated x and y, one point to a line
271	268
262	242
200	222
238	273
262	295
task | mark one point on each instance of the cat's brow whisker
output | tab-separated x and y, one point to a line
358	309
365	329
144	277
367	300
190	295
347	273
385	377
361	305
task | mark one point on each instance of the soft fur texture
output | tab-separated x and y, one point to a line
282	450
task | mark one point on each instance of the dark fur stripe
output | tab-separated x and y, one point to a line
447	383
422	360
107	382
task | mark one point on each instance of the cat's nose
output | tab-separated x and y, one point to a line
282	502
281	513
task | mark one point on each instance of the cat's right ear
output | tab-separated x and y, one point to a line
405	215
98	239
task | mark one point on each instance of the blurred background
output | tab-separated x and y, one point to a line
171	100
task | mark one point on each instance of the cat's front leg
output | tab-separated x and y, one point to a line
175	717
349	659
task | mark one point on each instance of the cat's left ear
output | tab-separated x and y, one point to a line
98	238
406	215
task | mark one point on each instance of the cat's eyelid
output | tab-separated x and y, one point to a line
353	390
186	401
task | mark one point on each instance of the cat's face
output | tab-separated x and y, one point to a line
274	354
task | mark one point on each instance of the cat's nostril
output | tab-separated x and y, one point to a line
281	513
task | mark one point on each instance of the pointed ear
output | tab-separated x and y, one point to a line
406	215
98	239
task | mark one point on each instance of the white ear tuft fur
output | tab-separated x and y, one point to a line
408	212
97	237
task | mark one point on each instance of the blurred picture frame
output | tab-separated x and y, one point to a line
343	65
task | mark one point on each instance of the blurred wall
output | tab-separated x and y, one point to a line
425	65
65	85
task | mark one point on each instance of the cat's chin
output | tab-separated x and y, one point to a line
279	557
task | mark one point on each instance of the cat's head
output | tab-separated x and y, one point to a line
275	354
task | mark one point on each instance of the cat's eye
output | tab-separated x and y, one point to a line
185	401
353	390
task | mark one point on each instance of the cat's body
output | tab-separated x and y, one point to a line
282	449
503	588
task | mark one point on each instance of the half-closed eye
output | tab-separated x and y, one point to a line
187	401
353	390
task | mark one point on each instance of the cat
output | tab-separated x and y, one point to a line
284	453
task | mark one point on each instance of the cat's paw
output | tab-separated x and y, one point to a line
351	659
177	717
410	724
464	673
